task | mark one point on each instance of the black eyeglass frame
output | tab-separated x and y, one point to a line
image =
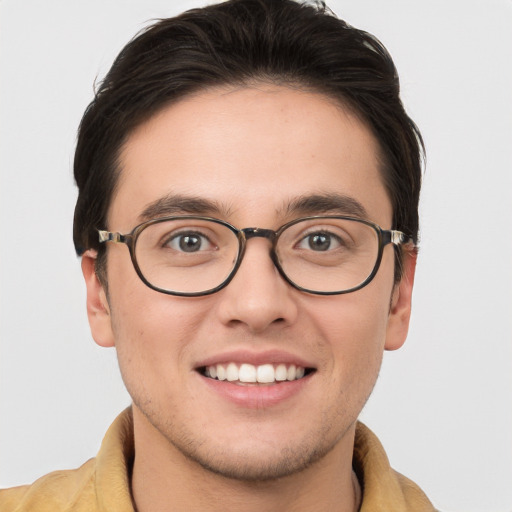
385	237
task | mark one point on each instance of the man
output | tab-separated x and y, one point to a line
255	158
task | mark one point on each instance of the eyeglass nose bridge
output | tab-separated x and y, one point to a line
271	235
248	233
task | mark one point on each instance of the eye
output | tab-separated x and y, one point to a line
189	241
320	241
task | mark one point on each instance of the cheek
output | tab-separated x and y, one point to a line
153	344
142	316
159	325
355	327
152	330
354	320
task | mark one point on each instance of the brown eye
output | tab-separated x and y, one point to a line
320	241
189	242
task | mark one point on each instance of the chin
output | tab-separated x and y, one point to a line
250	467
260	455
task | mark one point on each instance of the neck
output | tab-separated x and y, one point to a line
164	480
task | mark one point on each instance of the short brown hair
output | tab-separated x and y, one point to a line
238	42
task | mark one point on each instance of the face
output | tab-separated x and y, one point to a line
251	154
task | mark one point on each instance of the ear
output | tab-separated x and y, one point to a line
400	310
98	310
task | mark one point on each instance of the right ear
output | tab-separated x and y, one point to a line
98	311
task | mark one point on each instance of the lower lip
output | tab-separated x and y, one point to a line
256	396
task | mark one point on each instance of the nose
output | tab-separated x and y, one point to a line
257	297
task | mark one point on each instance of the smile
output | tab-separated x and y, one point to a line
246	373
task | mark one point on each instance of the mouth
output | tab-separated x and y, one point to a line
246	374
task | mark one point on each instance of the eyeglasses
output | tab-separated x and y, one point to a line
192	256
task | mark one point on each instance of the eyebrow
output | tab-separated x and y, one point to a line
330	203
314	204
176	204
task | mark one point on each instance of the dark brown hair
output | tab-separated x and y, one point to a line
235	43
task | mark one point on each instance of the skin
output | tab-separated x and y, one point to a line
252	150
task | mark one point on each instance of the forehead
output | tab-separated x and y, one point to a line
251	151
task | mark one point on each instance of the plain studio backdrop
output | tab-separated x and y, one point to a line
443	403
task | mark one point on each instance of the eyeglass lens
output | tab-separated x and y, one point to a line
195	255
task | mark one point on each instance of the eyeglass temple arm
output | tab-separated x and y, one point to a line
396	237
108	236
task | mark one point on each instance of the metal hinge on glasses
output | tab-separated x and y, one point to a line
107	236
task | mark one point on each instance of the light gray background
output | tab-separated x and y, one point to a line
443	404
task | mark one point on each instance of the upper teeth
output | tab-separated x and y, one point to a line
264	373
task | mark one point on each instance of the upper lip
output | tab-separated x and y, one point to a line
255	358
